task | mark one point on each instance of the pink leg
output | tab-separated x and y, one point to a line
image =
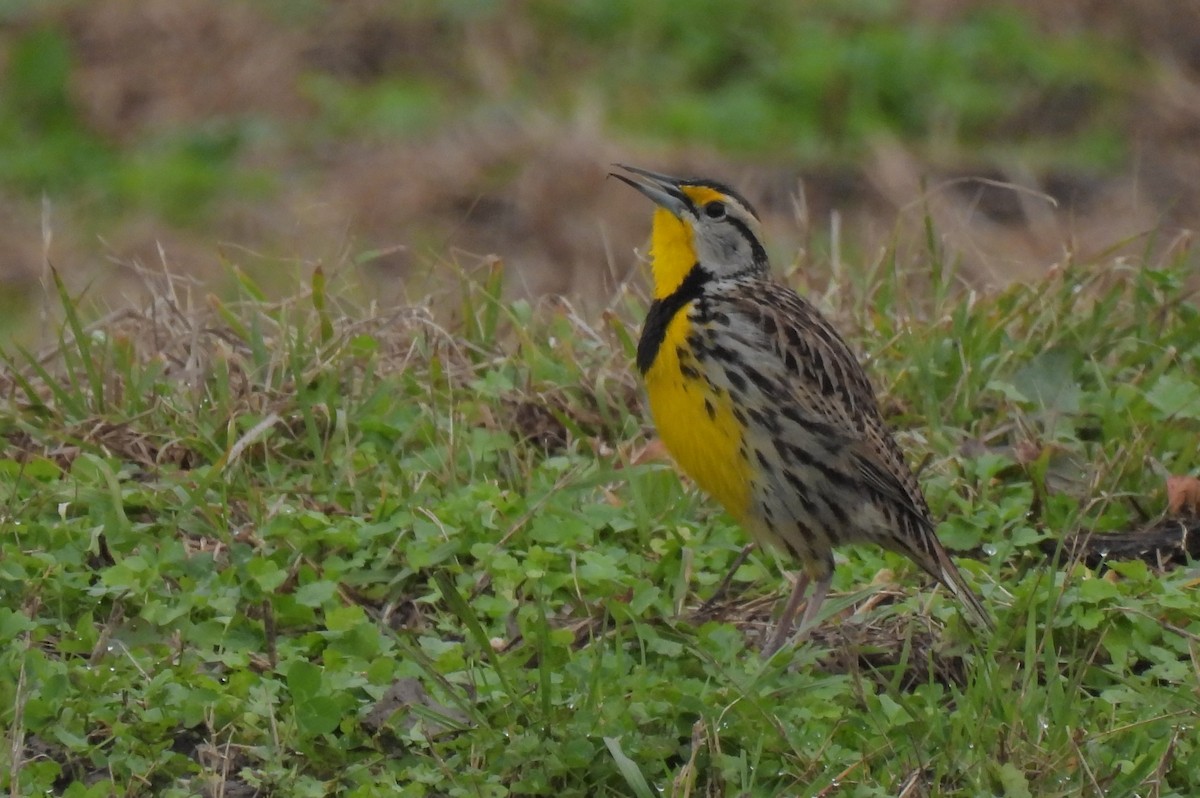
820	591
784	627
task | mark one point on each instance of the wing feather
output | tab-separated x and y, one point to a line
822	383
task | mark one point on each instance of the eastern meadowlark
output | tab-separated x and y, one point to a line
765	406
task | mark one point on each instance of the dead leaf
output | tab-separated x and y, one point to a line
653	452
1183	496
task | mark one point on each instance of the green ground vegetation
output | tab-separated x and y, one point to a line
297	548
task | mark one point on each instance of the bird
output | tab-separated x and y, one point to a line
761	401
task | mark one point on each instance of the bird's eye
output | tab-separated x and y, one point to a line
715	210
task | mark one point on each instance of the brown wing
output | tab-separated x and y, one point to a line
825	383
805	367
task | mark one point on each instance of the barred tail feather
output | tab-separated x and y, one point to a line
952	578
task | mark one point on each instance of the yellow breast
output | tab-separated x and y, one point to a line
696	423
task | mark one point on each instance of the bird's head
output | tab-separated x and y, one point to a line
697	222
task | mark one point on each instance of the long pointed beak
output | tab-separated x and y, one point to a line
662	189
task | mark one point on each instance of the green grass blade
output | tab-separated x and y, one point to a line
628	769
93	369
461	609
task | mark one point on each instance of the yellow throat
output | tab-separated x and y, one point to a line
695	422
672	254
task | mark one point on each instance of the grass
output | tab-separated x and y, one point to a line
298	549
54	152
116	151
774	80
822	81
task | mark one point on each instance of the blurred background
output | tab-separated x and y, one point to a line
399	141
